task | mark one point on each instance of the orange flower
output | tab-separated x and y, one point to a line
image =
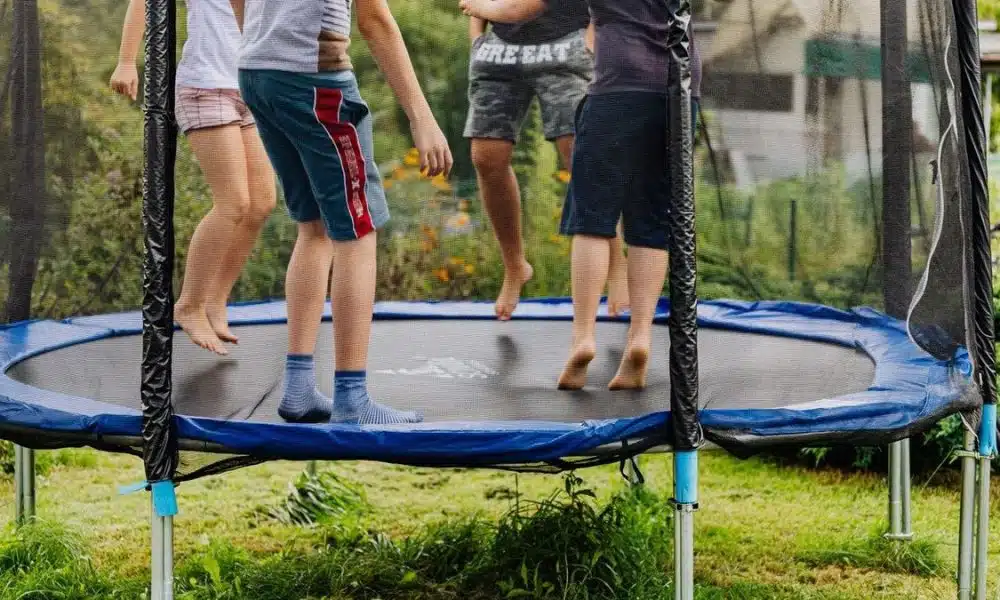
563	176
442	274
463	205
387	184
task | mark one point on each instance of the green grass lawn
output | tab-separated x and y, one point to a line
763	531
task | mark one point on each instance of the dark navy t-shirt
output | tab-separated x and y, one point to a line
632	49
561	18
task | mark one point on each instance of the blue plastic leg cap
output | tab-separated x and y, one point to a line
164	499
686	477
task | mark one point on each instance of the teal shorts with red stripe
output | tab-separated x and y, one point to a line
317	131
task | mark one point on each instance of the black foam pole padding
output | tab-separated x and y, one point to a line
159	435
683	269
984	353
897	151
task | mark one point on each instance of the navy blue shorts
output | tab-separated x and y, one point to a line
318	134
620	169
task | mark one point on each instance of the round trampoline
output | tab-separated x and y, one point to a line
770	373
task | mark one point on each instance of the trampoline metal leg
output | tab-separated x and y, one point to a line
685	504
899	491
982	528
987	450
162	572
966	520
906	485
684	552
24	485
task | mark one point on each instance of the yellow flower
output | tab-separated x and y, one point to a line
442	274
440	183
563	176
455	261
469	269
412	158
555	239
387	184
399	173
463	205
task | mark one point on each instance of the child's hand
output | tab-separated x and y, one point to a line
435	156
125	81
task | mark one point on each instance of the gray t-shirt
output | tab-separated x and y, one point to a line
632	52
302	36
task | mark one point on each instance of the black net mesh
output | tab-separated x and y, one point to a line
829	168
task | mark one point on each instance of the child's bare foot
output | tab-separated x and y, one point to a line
618	301
219	318
574	375
196	325
510	293
632	371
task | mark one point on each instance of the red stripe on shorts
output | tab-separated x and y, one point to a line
352	160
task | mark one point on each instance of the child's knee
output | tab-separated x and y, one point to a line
262	207
313	232
491	157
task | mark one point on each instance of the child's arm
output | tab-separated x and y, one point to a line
385	41
477	27
125	79
238	6
503	11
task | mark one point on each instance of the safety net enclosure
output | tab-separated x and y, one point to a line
830	276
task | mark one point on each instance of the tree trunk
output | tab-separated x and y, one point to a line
28	198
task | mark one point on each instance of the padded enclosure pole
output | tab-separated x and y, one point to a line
897	151
24	485
159	449
981	284
683	325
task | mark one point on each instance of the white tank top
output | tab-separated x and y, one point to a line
212	47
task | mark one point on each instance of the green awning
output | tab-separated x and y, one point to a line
856	60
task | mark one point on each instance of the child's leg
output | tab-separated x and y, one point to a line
262	194
497	107
618	292
589	272
220	153
353	298
502	201
305	289
647	269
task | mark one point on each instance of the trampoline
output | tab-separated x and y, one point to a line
487	389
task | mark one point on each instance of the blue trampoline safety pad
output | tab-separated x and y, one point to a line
76	382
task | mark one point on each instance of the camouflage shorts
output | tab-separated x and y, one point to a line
505	78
